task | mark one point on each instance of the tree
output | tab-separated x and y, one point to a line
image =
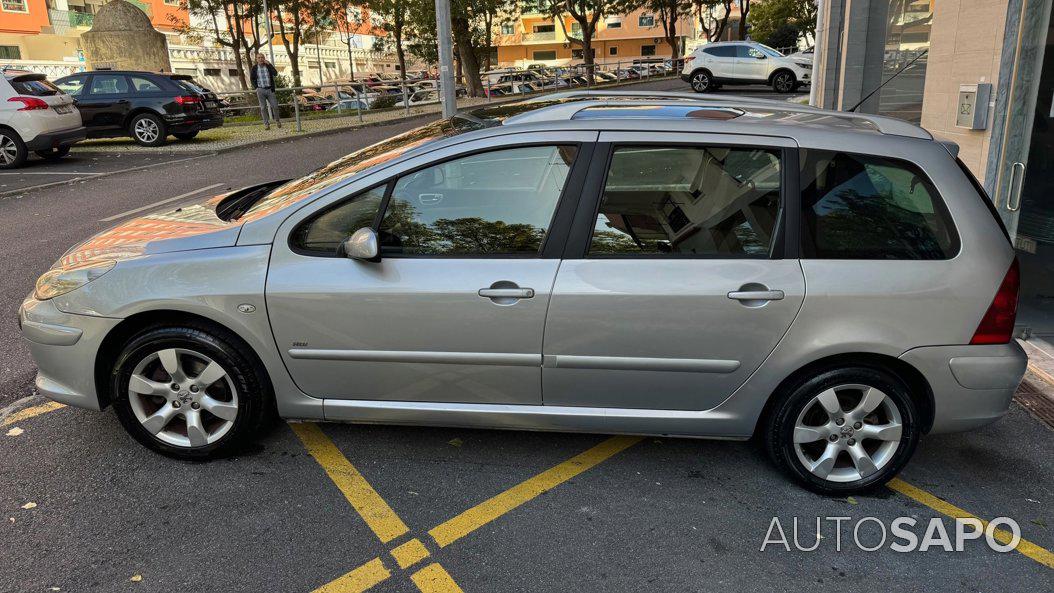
767	17
233	32
294	25
395	15
713	17
587	13
744	12
669	11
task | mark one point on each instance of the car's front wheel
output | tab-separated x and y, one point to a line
784	82
13	151
147	129
189	392
702	82
844	430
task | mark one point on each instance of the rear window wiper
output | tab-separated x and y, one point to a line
237	203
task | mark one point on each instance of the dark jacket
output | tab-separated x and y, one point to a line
270	69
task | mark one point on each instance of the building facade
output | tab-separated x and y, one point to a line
534	37
979	73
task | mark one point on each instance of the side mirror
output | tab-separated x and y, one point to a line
761	56
362	245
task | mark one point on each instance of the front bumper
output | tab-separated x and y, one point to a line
972	385
57	139
64	346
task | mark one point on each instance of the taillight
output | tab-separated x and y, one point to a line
689	59
29	103
188	100
997	325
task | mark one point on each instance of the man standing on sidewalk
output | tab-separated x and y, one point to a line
262	78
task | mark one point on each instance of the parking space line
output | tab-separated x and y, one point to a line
362	578
31	412
1025	547
367	502
159	203
458	527
434	579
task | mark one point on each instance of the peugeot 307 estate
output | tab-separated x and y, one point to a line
836	285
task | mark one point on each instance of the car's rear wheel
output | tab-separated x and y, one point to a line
702	81
13	151
53	154
189	392
147	129
185	135
845	430
784	82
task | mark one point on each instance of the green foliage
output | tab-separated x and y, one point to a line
786	35
767	17
285	98
385	102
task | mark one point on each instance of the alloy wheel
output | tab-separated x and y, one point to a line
146	130
847	433
701	82
8	149
182	397
784	82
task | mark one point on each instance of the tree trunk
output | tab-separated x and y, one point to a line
488	22
400	53
469	62
744	10
231	26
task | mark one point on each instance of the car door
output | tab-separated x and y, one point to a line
751	64
675	285
106	102
454	309
720	61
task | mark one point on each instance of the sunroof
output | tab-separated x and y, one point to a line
658	111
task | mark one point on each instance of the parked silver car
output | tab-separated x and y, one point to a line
835	284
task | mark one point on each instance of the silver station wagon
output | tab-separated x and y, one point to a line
835	285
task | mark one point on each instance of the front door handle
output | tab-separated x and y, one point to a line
507	293
756	295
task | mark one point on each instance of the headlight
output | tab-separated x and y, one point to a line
805	65
58	281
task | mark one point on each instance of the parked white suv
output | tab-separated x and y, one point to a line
35	116
744	62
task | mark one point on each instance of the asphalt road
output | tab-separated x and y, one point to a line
84	508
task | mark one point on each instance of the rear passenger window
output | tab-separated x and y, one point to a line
702	201
143	85
867	207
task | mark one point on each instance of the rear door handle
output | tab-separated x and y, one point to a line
756	295
507	293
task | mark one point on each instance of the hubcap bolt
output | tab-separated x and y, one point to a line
851	442
833	438
194	389
195	405
175	386
857	425
176	404
840	421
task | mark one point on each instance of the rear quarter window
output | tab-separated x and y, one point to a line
871	208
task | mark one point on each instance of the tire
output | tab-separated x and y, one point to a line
227	410
802	413
784	82
701	81
185	135
147	129
53	154
13	151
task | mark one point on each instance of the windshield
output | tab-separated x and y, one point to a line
771	52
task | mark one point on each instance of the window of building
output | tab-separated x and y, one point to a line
508	29
494	203
145	85
545	55
576	29
324	233
211	71
232	72
613	50
614	23
108	84
14	6
705	201
172	2
866	207
579	54
647	50
550	28
10	52
646	20
331	65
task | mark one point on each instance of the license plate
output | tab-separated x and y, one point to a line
210	104
63	109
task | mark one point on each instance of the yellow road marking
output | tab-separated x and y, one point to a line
410	553
31	412
371	507
1044	375
489	510
1029	549
434	579
358	580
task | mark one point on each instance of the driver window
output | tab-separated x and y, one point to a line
492	203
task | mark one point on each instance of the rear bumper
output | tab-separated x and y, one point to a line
57	139
190	123
972	385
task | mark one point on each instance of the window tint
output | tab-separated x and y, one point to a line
325	232
723	51
73	85
108	84
866	207
35	88
144	85
746	51
493	203
700	200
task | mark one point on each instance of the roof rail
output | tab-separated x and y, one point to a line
885	125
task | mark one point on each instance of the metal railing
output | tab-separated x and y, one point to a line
64	20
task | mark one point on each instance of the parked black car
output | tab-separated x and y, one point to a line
144	105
